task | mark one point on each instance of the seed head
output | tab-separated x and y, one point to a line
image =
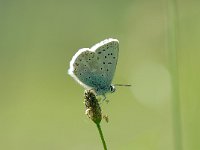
93	110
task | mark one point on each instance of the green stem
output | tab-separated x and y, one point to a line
173	47
101	135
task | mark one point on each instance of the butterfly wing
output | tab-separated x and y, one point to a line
107	55
94	68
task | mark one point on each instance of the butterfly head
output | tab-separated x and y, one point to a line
113	89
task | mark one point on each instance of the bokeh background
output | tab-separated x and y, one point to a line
41	106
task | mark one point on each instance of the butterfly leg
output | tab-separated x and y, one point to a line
107	101
103	97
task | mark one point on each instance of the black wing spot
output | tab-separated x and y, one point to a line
109	63
105	56
80	74
89	77
107	70
99	52
101	68
102	75
85	70
85	65
110	53
104	50
89	59
104	63
113	57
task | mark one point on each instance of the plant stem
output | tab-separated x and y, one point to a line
173	47
101	135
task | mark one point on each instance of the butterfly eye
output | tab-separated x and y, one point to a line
112	89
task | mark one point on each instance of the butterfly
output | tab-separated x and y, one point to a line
94	68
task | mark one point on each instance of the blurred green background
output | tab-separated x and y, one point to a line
41	106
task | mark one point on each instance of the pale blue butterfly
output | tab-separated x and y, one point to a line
94	67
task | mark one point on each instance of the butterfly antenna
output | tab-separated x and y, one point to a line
122	85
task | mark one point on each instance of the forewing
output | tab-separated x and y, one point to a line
107	55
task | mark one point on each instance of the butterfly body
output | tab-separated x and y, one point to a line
94	67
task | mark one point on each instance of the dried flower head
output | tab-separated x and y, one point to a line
93	110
